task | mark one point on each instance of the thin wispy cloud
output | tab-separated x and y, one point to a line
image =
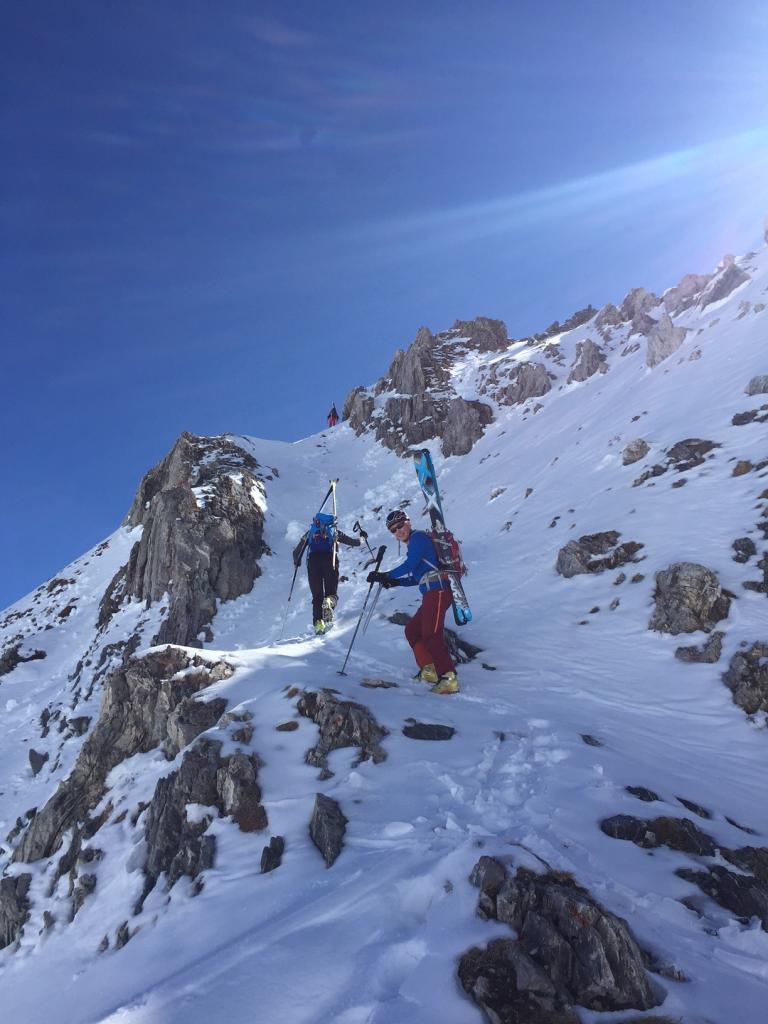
739	158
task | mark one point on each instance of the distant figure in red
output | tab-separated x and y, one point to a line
333	417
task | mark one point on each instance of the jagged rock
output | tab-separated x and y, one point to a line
591	741
175	844
646	795
488	875
587	954
663	339
483	333
761	586
427	730
358	408
590	359
757	386
139	702
747	678
684	295
688	598
579	556
12	656
744	895
634	451
608	317
511	987
727	278
327	828
676	833
527	380
744	548
709	653
342	723
36	760
637	302
14	907
689	453
465	423
272	855
696	808
201	509
86	884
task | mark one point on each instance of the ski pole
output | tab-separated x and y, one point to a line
288	602
372	609
376	560
357	528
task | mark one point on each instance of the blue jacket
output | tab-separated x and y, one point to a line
421	559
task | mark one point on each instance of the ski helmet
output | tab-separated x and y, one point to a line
395	519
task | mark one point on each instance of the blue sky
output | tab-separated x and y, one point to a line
223	216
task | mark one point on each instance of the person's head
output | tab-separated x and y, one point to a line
399	525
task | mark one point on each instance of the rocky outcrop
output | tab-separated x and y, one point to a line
634	451
178	845
569	951
201	510
465	423
590	359
709	653
526	380
663	339
727	279
758	385
14	907
342	723
676	833
483	334
684	294
147	704
14	656
635	309
688	597
595	552
609	316
747	678
327	828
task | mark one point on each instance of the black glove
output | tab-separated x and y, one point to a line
363	534
380	577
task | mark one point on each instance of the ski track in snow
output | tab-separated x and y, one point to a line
375	938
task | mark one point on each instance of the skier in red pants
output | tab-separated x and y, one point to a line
424	632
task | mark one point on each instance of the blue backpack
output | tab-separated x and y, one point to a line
322	533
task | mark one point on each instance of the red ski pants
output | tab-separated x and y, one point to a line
425	632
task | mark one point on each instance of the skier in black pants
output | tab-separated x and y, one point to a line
321	542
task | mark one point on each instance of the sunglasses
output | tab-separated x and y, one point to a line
399	526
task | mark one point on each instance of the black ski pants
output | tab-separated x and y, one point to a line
323	579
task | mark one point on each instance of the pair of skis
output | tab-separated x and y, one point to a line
449	563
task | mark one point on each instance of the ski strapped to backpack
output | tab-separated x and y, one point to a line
447	547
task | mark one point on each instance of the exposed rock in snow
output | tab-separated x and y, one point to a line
580	556
634	451
676	833
427	730
707	654
727	278
688	597
179	846
747	678
14	907
569	950
13	656
484	334
684	294
146	705
526	380
202	537
342	723
590	359
327	828
744	895
464	424
663	339
758	385
272	855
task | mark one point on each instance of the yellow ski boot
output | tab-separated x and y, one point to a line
319	627
447	683
427	674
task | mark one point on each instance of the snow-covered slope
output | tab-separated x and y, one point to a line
571	700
